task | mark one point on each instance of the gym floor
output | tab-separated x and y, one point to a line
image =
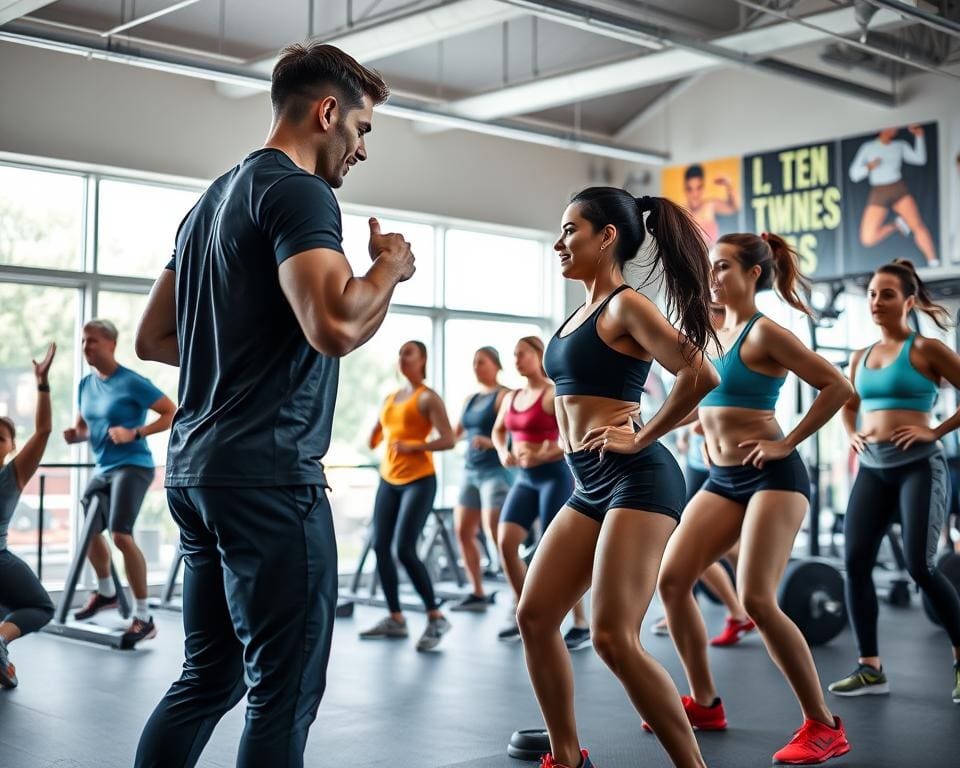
82	706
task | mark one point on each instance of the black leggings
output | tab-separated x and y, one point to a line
23	595
918	492
400	512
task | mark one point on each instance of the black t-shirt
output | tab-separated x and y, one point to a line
256	400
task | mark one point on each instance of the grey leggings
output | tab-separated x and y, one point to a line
915	495
22	594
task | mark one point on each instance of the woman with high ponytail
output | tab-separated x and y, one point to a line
903	474
629	491
758	489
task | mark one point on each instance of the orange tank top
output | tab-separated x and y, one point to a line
403	421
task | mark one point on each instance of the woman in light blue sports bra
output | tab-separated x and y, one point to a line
903	474
758	486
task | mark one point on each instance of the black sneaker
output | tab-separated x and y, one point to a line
511	631
137	631
577	638
474	603
95	604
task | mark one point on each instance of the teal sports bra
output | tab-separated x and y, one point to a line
739	386
898	386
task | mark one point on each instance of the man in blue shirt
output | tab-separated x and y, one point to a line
256	307
113	402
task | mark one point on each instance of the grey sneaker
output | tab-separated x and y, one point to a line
430	639
387	627
577	638
511	631
8	673
473	603
863	681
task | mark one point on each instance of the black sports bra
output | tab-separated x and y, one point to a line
581	363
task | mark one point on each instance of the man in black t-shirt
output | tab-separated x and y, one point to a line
256	307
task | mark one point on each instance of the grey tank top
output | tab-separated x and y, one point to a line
9	498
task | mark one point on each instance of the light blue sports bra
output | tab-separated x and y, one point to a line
739	386
898	386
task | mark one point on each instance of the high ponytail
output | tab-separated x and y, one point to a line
779	265
913	286
679	250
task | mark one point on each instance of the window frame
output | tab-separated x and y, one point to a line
89	281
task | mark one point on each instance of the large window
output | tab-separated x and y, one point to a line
136	226
78	243
41	218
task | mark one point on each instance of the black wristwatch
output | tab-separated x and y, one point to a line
137	434
43	387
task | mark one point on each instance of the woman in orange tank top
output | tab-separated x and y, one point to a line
408	484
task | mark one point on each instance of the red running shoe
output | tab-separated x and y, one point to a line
734	631
711	718
814	743
547	761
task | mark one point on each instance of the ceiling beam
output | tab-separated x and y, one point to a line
687	58
380	38
10	10
413	28
910	13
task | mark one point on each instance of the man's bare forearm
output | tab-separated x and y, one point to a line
367	300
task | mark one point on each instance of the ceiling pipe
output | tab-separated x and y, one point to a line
404	108
148	17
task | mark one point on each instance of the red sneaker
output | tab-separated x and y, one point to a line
814	743
547	761
702	718
733	631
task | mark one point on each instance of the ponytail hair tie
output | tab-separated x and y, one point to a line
646	203
765	236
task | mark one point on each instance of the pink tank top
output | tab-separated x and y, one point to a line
533	425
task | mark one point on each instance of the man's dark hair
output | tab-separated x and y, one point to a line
694	171
306	70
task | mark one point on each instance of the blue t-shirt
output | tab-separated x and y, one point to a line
9	498
120	400
256	400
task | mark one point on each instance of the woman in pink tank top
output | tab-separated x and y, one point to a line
543	482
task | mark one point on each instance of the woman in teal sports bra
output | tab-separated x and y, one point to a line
903	475
758	489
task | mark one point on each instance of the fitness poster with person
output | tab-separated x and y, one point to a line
891	197
847	205
710	190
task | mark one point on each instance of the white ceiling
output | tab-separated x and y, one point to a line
490	59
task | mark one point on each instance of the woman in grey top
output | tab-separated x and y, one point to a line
21	592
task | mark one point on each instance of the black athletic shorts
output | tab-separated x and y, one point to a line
650	480
122	491
739	483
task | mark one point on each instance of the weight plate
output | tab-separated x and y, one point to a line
529	744
811	594
949	565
